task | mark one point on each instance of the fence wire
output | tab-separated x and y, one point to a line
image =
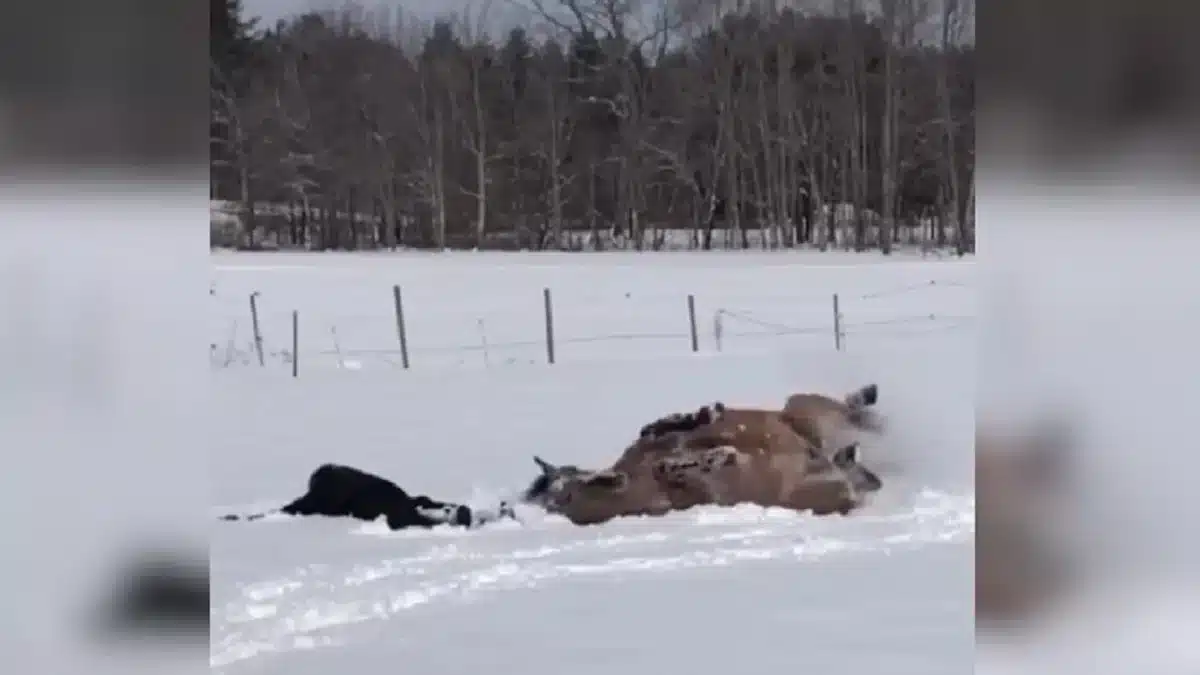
234	343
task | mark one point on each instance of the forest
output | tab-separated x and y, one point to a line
596	124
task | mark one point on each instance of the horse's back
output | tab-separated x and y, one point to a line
814	405
333	476
337	489
748	417
750	430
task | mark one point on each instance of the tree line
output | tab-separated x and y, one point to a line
615	127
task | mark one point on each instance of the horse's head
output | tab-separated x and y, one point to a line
560	486
846	462
543	490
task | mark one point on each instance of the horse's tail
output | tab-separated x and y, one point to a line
863	397
247	516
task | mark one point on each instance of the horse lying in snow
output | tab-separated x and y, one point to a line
335	490
720	456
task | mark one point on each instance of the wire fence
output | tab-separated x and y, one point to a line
254	331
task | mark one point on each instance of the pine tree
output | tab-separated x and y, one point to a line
232	42
232	57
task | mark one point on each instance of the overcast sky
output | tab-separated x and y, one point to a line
501	13
271	10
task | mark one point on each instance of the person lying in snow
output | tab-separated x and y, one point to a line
337	490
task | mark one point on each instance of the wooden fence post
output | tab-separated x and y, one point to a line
258	341
837	323
400	329
718	328
549	325
691	304
295	343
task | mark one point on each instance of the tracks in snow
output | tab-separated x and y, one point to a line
319	605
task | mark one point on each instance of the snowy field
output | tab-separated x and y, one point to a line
887	590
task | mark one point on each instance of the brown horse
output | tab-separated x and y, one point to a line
742	456
829	423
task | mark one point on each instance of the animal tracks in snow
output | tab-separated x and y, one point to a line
321	605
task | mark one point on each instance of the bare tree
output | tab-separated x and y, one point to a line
471	83
955	15
430	114
630	124
254	141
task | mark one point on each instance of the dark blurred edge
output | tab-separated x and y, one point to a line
160	594
113	86
1086	106
104	100
1066	84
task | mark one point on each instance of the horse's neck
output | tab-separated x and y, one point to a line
640	497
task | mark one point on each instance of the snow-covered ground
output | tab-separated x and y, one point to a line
887	590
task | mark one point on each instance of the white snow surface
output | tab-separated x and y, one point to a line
885	590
